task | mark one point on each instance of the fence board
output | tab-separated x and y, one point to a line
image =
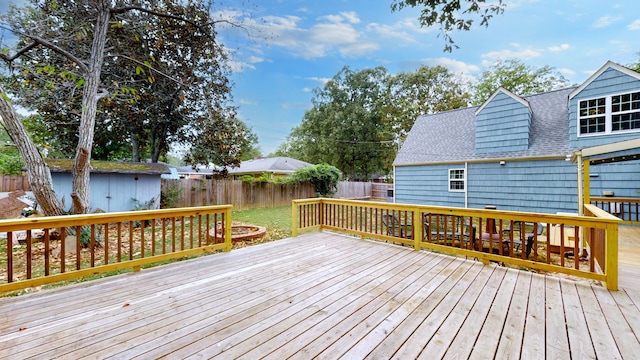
13	183
242	195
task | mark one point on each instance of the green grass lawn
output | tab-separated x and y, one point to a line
277	220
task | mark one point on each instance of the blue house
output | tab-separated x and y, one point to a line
114	186
515	152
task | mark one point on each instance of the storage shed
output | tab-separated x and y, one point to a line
114	185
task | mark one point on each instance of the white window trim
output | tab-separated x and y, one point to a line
464	180
607	116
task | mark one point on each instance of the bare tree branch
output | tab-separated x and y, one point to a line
40	41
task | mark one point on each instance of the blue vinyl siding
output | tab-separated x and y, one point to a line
503	125
623	178
547	186
610	82
111	192
532	186
426	185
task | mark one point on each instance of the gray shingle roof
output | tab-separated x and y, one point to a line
450	136
277	165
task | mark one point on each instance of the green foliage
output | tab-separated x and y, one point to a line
359	118
324	177
11	165
518	78
452	14
170	195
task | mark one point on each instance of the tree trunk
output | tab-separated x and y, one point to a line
81	166
135	147
37	171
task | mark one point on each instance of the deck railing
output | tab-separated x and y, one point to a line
627	209
584	246
41	250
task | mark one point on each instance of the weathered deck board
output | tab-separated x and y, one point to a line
324	295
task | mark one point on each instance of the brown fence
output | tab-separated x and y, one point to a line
242	195
13	183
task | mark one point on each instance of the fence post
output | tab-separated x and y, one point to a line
611	262
294	218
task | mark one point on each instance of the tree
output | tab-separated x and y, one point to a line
61	28
452	14
359	118
518	78
425	91
345	128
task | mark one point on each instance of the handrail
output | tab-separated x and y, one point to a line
627	209
43	250
547	242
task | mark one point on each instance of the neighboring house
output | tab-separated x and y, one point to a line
513	152
114	185
199	172
276	166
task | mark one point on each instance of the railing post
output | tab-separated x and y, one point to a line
417	228
294	218
611	264
228	245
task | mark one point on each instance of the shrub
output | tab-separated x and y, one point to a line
323	176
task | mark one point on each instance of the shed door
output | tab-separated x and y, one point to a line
121	189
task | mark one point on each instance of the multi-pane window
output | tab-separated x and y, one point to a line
609	114
592	116
456	180
625	112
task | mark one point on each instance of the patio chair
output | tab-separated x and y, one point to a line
521	226
396	228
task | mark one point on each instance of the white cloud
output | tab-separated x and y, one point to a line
605	21
248	102
565	71
634	25
557	48
321	80
520	52
307	89
455	66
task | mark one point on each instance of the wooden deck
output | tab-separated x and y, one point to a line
328	296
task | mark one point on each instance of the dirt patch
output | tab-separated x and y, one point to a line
10	206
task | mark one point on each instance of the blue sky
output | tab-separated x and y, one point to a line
296	45
289	47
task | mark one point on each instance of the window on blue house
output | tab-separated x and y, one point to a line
611	114
456	180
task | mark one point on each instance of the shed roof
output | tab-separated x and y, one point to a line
450	136
114	167
276	165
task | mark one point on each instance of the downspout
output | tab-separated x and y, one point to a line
466	188
580	183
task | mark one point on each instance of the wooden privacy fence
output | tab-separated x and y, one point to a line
44	250
13	183
241	194
584	246
361	190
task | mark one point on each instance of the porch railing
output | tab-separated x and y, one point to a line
584	246
627	209
42	250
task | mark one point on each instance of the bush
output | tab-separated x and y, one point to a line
323	176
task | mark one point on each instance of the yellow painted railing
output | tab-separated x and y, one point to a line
627	209
552	243
42	250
